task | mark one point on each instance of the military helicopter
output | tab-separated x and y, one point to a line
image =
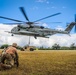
32	29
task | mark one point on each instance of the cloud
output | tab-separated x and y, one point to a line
63	40
45	25
43	1
59	28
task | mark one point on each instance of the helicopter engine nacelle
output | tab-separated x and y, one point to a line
23	26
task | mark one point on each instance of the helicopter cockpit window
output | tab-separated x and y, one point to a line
41	27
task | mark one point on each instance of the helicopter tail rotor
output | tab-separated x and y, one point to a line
75	21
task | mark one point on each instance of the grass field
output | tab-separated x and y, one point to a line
56	62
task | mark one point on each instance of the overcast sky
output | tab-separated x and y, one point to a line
35	10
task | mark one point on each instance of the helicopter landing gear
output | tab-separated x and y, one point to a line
35	37
18	29
12	35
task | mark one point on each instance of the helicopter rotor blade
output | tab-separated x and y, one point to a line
29	23
11	19
47	17
53	22
24	13
12	23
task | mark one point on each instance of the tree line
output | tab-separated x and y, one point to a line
58	47
54	47
6	45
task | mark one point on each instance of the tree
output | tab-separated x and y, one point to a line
72	46
56	46
4	46
64	48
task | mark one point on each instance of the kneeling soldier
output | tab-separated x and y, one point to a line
10	55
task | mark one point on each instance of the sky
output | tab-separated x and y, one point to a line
37	9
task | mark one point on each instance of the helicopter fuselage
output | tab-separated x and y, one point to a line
38	31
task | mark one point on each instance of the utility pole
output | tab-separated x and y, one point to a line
29	41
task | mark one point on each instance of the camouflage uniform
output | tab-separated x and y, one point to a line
4	66
9	55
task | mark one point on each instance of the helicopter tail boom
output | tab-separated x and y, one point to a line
70	26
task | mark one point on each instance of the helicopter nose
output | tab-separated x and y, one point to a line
12	30
15	30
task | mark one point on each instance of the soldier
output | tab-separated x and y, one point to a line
10	55
4	66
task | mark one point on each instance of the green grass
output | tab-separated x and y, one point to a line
45	63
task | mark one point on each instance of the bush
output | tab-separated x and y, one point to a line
4	46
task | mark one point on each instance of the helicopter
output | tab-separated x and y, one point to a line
32	29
